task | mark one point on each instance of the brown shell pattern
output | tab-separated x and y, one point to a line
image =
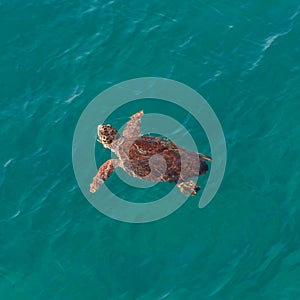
177	168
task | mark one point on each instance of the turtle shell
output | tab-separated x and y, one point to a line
159	159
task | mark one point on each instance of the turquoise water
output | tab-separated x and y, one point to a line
243	57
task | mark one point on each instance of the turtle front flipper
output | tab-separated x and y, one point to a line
188	187
103	174
133	127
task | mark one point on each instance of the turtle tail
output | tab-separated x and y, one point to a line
203	167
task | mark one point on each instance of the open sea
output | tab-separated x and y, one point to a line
243	57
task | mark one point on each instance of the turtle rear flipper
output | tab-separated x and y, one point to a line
205	157
188	187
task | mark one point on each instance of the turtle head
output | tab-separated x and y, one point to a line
107	135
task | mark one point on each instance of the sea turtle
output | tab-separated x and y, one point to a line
135	153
